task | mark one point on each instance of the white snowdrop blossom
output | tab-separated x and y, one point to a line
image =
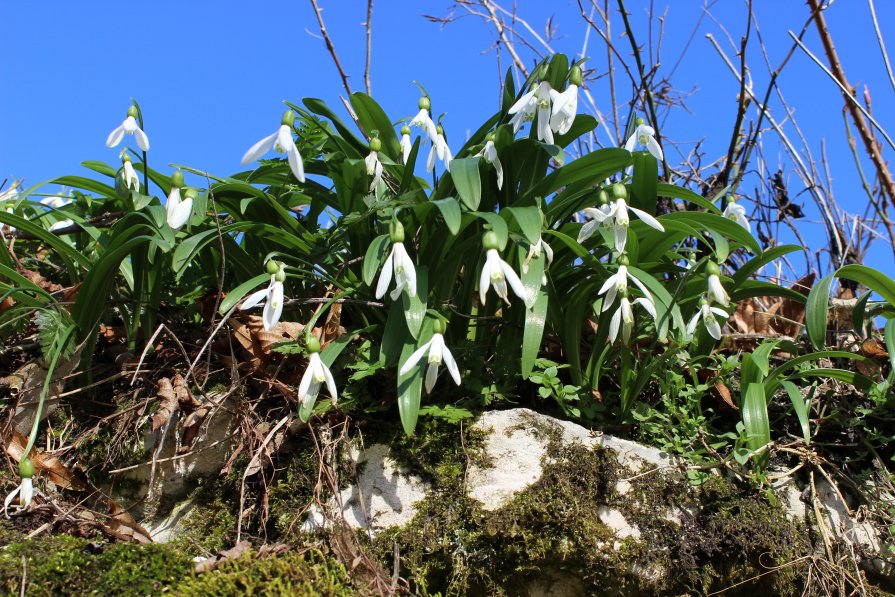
716	290
623	318
406	145
374	166
596	215
535	251
273	295
128	174
645	135
524	109
707	313
58	202
399	264
130	127
422	119
489	152
441	149
619	220
25	490
536	101
316	375
617	283
565	108
438	353
281	141
177	209
498	273
736	212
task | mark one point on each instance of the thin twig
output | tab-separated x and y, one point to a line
882	45
330	47
369	27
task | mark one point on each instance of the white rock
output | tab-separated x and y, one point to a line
615	520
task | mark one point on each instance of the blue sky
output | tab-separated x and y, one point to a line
211	76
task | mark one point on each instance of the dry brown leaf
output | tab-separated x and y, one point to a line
122	525
168	405
56	472
185	399
39	280
723	392
874	349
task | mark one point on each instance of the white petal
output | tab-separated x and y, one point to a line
253	299
61	224
385	277
431	376
648	305
259	148
485	278
613	325
403	259
523	102
654	148
648	219
640	285
621	237
451	365
295	163
515	283
498	167
599	215
180	214
691	327
717	290
274	306
587	230
414	358
27	493
406	146
305	384
115	136
330	382
10	498
711	324
720	313
631	142
430	163
142	139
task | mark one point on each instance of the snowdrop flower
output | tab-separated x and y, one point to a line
374	166
489	152
537	101
178	210
623	318
716	290
423	119
737	213
565	104
645	136
619	219
596	215
406	145
498	272
128	174
315	375
707	314
535	251
617	284
130	127
273	294
399	263
58	202
438	353
281	141
25	490
440	148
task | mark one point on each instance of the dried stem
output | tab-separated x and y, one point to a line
330	47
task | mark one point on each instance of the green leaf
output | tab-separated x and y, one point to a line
759	261
873	279
465	174
755	420
816	312
415	306
857	314
529	220
536	316
645	182
889	334
240	291
714	222
676	192
394	336
498	225
372	118
593	167
800	407
450	211
373	259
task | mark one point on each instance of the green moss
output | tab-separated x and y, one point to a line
295	573
64	565
552	533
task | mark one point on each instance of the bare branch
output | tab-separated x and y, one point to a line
330	47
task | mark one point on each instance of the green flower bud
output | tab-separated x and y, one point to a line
132	111
731	199
490	240
405	130
542	72
424	103
602	197
288	118
713	269
639	121
623	260
125	157
280	276
190	193
273	267
439	129
375	144
396	231
177	178
26	468
313	344
619	191
438	326
575	75
489	137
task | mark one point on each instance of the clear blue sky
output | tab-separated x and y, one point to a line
211	76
